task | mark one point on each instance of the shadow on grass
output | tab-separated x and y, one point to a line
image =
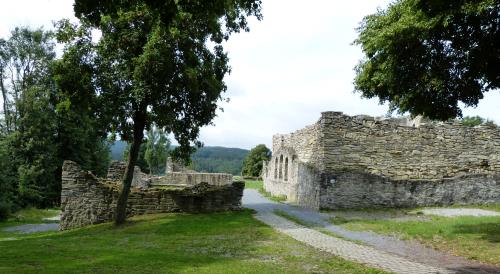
170	243
488	231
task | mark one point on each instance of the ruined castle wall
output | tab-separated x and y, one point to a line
361	161
361	190
86	199
305	143
290	152
389	149
191	179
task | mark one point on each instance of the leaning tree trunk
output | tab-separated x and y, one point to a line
121	205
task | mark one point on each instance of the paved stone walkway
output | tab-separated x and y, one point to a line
384	252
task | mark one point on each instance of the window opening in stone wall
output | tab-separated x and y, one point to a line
281	167
286	169
276	168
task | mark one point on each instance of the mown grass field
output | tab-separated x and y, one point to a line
476	238
232	242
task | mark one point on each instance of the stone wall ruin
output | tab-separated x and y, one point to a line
361	161
86	199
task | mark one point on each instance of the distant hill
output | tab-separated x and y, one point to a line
205	159
219	159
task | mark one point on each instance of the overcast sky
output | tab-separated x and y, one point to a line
295	63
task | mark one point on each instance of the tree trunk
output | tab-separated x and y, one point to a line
5	103
121	205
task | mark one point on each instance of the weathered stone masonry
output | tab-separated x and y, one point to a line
86	199
361	161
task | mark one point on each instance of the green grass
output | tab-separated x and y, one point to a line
232	242
254	184
476	238
259	185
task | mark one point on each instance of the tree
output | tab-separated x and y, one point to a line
153	64
39	129
426	56
157	146
252	165
141	161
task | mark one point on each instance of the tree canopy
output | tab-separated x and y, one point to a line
38	129
252	165
157	62
427	56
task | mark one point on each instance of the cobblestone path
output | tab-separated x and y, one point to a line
382	252
345	249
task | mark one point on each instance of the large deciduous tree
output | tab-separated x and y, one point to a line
252	165
427	56
162	62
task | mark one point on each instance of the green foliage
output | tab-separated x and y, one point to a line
472	121
252	165
153	152
424	56
229	242
218	160
154	65
141	161
39	128
156	153
8	181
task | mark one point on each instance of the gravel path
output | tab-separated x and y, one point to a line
33	228
384	252
454	212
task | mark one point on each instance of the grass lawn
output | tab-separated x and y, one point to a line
254	184
259	185
476	238
232	242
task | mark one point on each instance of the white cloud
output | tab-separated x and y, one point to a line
291	66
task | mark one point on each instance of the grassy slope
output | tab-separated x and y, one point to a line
170	243
471	237
258	185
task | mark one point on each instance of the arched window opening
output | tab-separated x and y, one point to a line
286	169
276	168
281	167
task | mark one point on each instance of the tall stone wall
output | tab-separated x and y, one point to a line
388	149
305	143
86	199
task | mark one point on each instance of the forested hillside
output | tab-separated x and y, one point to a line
205	159
219	159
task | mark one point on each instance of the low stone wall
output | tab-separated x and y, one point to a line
364	190
191	179
86	199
